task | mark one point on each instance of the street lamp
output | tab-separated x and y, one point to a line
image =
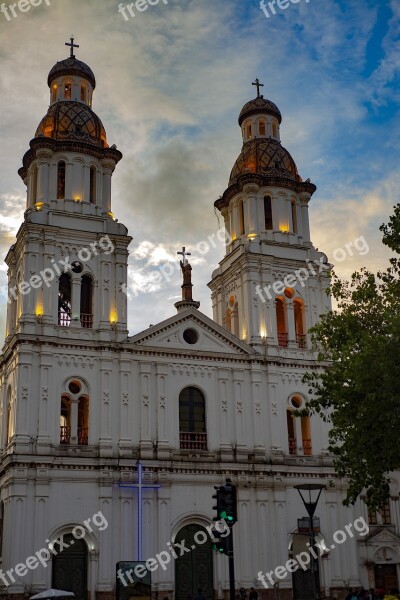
310	494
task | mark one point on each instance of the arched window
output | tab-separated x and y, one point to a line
291	428
74	414
83	421
65	420
274	130
298	306
93	185
241	217
248	131
293	423
54	92
261	127
64	300
294	217
280	306
61	180
34	185
83	93
86	302
192	419
67	91
268	213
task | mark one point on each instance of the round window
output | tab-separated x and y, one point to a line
296	401
74	387
77	267
190	336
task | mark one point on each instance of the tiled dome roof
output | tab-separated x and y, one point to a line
259	106
264	156
72	121
71	66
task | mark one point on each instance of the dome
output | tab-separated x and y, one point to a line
259	106
71	66
72	121
266	157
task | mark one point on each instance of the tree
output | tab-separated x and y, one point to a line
358	391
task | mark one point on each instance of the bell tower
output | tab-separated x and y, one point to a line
270	288
68	267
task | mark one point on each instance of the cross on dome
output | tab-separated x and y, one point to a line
72	46
258	84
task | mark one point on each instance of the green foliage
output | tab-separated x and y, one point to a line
359	390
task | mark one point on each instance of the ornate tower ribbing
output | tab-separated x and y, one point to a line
265	209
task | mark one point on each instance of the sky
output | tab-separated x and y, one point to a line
171	82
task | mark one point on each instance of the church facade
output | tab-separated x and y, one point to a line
193	400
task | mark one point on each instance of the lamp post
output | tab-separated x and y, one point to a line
310	494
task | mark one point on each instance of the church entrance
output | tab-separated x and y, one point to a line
386	577
194	569
70	568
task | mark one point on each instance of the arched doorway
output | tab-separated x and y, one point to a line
194	569
70	567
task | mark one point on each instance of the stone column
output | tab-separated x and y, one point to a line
163	435
291	330
233	220
74	421
86	183
69	170
146	444
11	308
305	221
251	193
44	156
76	302
108	166
225	214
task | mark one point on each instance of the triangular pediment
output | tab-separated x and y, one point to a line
189	324
383	536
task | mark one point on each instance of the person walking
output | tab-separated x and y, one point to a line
253	594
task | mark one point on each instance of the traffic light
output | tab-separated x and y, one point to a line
226	503
219	543
218	497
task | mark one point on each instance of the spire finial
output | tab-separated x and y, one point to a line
258	84
72	46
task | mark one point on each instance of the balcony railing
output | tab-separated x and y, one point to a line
283	340
64	319
307	448
292	446
301	340
65	435
193	441
83	436
86	321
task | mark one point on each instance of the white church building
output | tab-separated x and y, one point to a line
195	400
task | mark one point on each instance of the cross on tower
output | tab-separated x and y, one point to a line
139	486
72	46
258	84
184	254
